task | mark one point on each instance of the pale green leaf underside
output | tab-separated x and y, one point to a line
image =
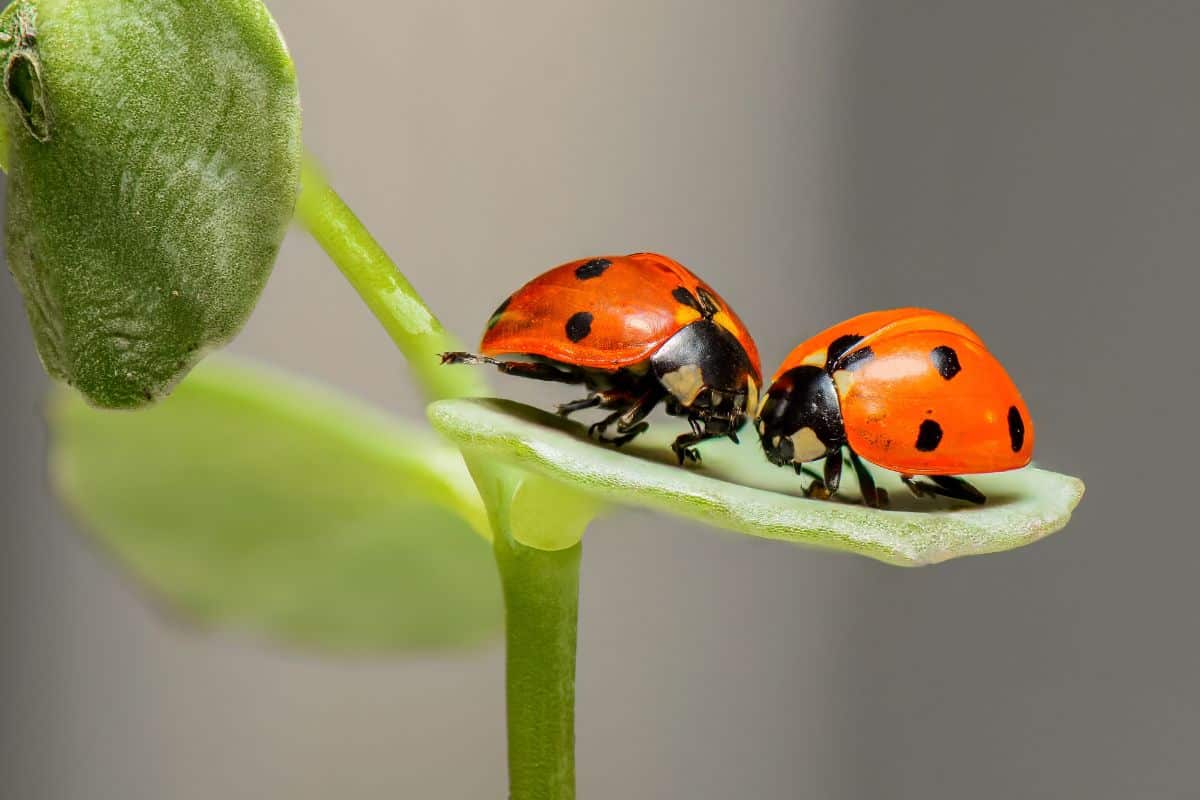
738	489
269	505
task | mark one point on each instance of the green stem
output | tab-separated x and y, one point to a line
541	587
541	601
541	598
389	295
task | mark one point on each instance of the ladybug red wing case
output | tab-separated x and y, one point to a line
911	390
606	312
934	403
637	331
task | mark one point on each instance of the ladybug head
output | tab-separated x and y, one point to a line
708	377
800	419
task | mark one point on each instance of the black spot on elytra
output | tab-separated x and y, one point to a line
1016	429
687	298
945	360
929	437
579	326
592	269
495	317
852	361
835	354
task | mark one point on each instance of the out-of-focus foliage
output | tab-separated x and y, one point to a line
267	505
153	150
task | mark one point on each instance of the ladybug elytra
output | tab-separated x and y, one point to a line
637	331
910	390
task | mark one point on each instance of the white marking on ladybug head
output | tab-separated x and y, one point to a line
685	383
806	446
844	380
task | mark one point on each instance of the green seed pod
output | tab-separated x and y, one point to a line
153	149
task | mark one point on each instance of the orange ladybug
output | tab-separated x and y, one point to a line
911	390
636	330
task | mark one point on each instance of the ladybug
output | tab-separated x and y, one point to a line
636	330
911	390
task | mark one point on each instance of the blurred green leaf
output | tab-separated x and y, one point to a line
738	489
153	149
269	505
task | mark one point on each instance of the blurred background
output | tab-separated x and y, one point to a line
1029	167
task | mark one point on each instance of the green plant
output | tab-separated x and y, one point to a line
154	160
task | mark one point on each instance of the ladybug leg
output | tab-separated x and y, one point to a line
522	369
628	418
872	495
591	401
682	446
946	486
826	485
459	357
597	429
632	423
833	471
919	489
957	488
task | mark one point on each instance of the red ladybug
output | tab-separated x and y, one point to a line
912	390
636	330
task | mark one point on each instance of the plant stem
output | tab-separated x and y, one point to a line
541	587
389	295
541	599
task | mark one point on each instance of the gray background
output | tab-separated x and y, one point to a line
1029	166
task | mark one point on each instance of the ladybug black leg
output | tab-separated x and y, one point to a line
631	434
591	401
833	472
872	495
628	419
946	486
632	424
958	489
522	369
682	446
825	486
596	429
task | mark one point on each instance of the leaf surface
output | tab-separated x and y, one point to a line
737	489
266	504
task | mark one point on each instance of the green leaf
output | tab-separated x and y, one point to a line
268	505
738	489
153	149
